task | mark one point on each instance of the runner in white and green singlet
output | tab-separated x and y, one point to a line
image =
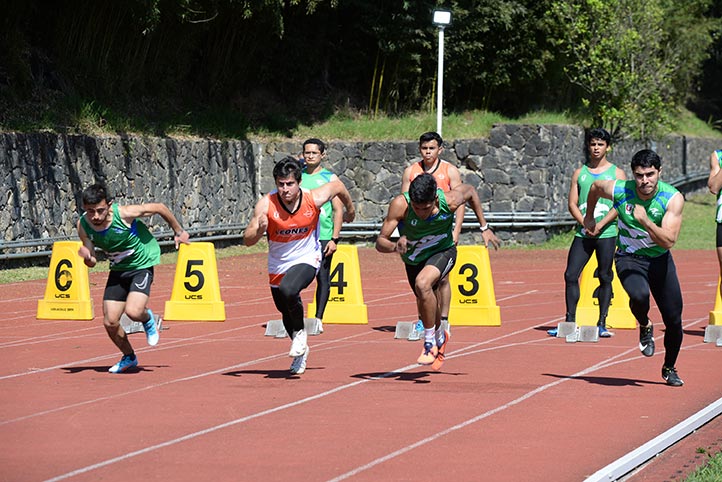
715	186
585	244
132	251
424	217
650	217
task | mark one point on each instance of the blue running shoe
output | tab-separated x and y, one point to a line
604	333
552	332
419	326
125	363
151	331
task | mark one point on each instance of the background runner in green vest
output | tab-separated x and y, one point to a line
715	186
447	176
585	244
132	251
650	217
329	221
425	217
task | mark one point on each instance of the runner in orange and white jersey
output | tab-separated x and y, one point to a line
289	217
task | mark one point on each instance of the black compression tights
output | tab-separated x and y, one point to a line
579	253
287	296
657	276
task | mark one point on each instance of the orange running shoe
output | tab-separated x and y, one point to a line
428	354
440	355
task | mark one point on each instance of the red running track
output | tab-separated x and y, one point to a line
215	401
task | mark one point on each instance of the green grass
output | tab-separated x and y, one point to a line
698	227
466	125
711	472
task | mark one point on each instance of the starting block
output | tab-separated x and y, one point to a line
566	328
712	334
584	333
275	328
131	326
406	330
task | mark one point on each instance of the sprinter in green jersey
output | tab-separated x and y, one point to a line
650	217
132	251
425	217
585	244
329	221
714	182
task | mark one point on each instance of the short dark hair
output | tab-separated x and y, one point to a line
423	188
430	136
286	167
599	133
95	193
646	158
318	142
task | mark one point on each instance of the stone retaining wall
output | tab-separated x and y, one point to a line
518	168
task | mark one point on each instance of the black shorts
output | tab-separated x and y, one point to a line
443	260
120	283
719	235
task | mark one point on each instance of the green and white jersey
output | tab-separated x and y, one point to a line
718	216
426	237
584	183
633	238
325	220
128	247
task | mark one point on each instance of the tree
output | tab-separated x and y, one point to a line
635	60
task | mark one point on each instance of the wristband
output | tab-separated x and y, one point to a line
485	227
336	240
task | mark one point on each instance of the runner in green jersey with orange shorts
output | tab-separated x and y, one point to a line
425	218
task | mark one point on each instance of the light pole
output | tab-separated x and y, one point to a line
442	18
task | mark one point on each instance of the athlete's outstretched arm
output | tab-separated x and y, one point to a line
666	234
258	224
87	250
714	182
323	194
597	190
132	211
466	193
397	212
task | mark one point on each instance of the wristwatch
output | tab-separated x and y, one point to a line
484	227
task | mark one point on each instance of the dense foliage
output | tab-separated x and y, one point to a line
626	64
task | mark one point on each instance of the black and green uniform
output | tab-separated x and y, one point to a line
426	237
128	247
644	267
583	246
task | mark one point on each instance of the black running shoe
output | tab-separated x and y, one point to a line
646	340
670	376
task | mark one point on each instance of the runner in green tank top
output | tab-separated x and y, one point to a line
424	216
585	244
715	186
650	217
132	251
329	222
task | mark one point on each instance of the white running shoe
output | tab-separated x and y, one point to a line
298	365
319	323
299	344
